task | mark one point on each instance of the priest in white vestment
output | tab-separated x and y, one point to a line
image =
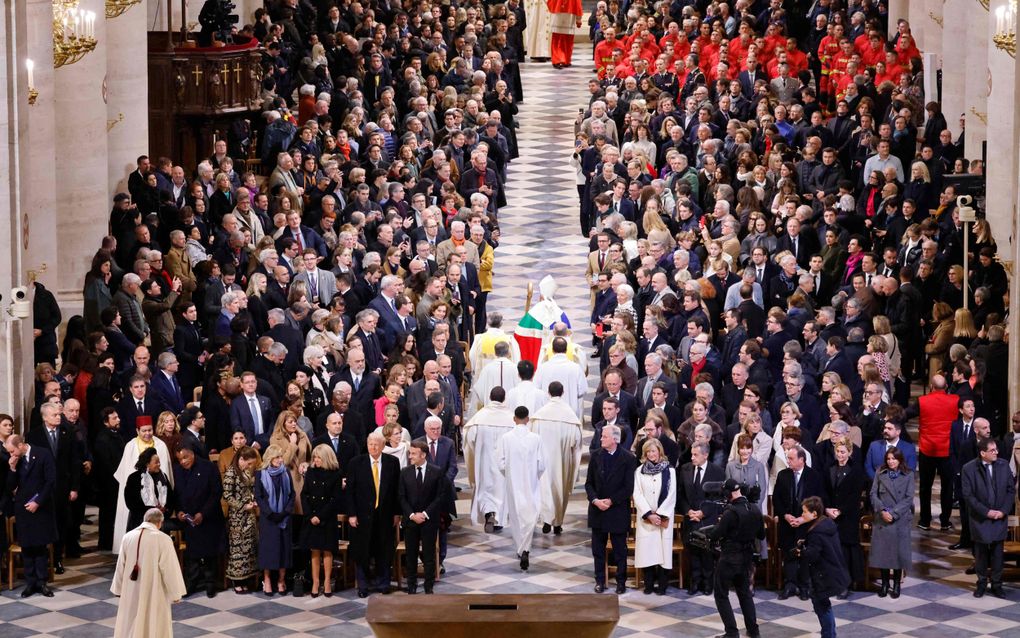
560	368
144	607
481	435
526	393
560	430
522	461
577	354
538	32
500	372
132	450
483	348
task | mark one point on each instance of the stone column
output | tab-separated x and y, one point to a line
127	96
977	76
933	20
1002	157
954	48
1011	256
898	10
83	199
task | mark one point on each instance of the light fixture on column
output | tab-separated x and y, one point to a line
115	8
1005	28
74	32
32	93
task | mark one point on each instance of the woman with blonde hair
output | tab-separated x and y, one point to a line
883	329
752	426
276	499
964	331
168	430
242	516
320	501
398	439
655	501
296	449
952	290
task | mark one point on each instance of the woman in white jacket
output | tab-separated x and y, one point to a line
654	502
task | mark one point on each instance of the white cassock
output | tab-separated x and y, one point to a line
124	470
575	382
539	29
144	607
653	545
523	463
483	348
527	395
575	353
481	436
500	372
560	430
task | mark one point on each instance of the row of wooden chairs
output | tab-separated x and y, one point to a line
14	551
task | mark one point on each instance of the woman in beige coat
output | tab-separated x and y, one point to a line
297	451
937	347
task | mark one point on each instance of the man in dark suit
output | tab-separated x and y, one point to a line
990	491
65	452
164	385
443	454
793	485
192	424
136	402
735	337
613	384
963	438
283	330
188	348
423	497
610	410
365	385
343	444
371	344
653	375
609	486
698	512
838	361
33	479
252	413
373	510
385	304
197	492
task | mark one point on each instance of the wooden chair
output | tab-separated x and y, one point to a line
864	528
773	570
679	552
343	554
610	568
14	549
179	544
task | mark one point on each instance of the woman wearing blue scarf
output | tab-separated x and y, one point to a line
892	499
275	497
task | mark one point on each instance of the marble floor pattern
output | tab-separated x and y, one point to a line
540	236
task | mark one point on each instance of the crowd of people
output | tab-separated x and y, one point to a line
776	262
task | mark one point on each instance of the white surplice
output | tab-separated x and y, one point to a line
539	29
528	395
501	372
481	436
522	461
560	430
126	469
575	382
143	610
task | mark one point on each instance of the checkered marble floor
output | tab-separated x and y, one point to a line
541	236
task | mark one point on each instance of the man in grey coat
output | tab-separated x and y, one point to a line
989	490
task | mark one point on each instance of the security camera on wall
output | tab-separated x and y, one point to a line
21	307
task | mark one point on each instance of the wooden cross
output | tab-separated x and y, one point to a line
197	72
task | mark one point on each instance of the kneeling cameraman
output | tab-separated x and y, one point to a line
739	529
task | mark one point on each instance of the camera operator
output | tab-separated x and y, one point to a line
738	533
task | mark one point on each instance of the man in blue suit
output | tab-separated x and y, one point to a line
251	413
164	385
385	303
32	479
303	235
443	454
890	438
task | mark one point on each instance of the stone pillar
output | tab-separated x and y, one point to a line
1002	157
156	14
15	334
954	49
83	199
1011	257
934	22
898	10
126	95
975	103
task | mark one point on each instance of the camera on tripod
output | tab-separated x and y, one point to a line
217	19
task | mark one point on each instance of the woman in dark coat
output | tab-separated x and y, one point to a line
320	502
892	500
824	559
147	487
844	482
275	497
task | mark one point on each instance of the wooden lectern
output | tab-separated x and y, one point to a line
494	615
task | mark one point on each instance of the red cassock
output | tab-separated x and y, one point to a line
565	14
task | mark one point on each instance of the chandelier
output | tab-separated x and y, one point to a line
115	8
1005	28
74	32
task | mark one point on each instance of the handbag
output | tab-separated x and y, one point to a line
138	550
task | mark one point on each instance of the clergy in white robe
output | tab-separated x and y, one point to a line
500	372
132	449
483	348
575	353
560	430
560	368
481	435
526	393
522	462
144	607
539	29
